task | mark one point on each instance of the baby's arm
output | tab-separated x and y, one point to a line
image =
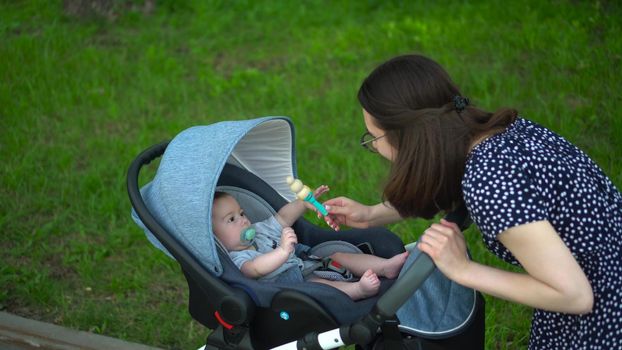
291	211
268	262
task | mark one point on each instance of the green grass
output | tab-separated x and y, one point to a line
81	96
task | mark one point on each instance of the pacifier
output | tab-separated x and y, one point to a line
247	235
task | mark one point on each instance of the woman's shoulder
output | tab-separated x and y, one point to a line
512	153
525	149
521	142
501	146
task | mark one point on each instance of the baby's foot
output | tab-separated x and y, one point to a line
368	284
394	265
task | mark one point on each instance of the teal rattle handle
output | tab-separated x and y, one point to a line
297	187
316	204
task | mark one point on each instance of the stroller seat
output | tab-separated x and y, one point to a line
251	159
270	313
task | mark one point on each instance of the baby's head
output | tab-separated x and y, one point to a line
228	221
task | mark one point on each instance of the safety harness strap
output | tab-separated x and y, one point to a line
326	268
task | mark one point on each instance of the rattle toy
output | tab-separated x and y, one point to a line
304	193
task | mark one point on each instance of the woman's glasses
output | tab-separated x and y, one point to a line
367	141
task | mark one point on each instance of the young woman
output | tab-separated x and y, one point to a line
538	201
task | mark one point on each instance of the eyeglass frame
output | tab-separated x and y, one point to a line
367	144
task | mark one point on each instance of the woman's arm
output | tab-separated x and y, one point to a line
348	212
383	214
554	280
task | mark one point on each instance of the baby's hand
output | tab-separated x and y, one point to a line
320	191
317	193
329	221
288	239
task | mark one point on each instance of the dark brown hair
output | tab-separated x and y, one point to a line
220	194
410	97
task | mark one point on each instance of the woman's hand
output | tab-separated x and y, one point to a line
347	212
553	280
445	244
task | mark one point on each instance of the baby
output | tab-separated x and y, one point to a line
269	255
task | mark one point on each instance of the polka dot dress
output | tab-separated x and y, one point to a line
528	173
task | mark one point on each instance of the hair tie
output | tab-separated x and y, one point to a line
460	103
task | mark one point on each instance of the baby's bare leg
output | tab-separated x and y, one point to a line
367	286
359	263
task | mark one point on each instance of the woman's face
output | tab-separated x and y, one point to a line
381	144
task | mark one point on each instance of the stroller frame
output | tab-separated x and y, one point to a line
230	312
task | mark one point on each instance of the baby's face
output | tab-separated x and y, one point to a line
228	221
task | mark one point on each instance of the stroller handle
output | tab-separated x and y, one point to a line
363	331
405	286
417	273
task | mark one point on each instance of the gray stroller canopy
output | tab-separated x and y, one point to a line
181	193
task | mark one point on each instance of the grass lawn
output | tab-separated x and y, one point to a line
82	92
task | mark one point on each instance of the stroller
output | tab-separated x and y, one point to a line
250	159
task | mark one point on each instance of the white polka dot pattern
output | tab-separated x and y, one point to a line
528	173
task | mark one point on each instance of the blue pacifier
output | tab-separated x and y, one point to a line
247	235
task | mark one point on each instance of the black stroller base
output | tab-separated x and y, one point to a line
389	337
